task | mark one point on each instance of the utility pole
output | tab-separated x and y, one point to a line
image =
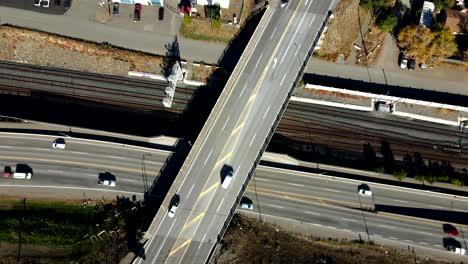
364	218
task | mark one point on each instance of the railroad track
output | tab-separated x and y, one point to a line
24	79
308	124
301	122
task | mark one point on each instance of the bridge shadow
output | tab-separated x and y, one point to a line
448	215
384	89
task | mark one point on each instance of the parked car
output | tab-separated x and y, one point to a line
137	12
57	2
45	3
115	9
284	3
174	205
423	65
59	143
37	2
161	13
450	230
228	178
403	63
411	64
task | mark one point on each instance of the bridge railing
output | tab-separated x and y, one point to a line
270	135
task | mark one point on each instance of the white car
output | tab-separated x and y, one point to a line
110	183
284	3
22	175
37	2
59	143
246	206
403	63
365	192
227	180
175	204
45	3
457	250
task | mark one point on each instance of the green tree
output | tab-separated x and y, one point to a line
444	4
388	158
444	44
387	21
368	157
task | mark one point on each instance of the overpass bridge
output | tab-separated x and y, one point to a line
236	134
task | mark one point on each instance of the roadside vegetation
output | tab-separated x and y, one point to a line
251	241
63	231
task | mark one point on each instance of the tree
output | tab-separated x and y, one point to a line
388	158
368	158
387	21
444	4
415	41
444	44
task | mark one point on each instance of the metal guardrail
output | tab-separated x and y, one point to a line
270	135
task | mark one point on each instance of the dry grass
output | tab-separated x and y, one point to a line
342	31
373	40
202	30
249	241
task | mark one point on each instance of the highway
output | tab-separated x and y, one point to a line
80	163
321	200
234	134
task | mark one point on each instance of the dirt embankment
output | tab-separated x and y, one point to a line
250	241
342	30
39	48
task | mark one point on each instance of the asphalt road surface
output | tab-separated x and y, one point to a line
321	200
236	135
80	163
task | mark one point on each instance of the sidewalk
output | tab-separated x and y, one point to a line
149	35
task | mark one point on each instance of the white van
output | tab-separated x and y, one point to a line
22	175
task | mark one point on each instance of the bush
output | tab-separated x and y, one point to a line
387	21
400	175
217	23
187	19
457	182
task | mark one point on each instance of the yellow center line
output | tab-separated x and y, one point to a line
223	159
209	189
257	87
237	128
253	96
179	247
193	220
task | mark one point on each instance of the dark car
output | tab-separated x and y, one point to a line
66	4
115	9
161	13
57	2
450	229
411	64
137	12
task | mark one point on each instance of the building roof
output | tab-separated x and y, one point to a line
457	21
426	15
